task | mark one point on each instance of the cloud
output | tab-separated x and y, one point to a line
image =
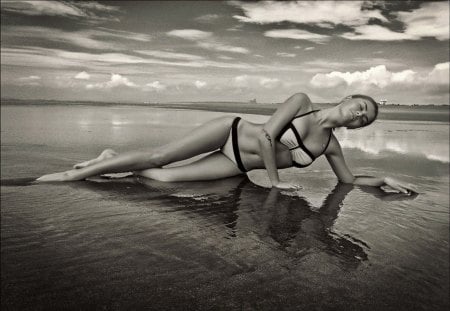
296	34
205	40
115	81
155	86
309	48
104	62
225	57
283	54
216	46
380	77
82	76
250	81
269	83
376	33
190	34
30	78
90	11
375	76
430	20
29	81
439	74
169	55
322	13
200	84
208	18
92	39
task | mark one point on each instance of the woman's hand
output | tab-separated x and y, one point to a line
400	186
287	186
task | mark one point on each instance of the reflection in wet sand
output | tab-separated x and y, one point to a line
418	138
296	226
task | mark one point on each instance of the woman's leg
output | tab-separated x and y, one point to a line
213	166
205	138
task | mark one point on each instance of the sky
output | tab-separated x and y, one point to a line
164	51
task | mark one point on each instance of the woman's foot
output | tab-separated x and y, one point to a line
106	154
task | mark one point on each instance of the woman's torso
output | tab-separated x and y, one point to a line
313	137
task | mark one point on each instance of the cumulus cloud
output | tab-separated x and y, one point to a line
206	40
200	84
155	86
376	76
296	34
115	81
381	77
250	81
322	13
439	74
430	20
284	54
83	76
269	83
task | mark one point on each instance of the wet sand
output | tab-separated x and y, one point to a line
231	244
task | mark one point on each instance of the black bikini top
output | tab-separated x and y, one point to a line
290	137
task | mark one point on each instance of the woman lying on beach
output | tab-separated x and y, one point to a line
295	135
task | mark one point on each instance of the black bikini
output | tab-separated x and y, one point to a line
289	136
231	147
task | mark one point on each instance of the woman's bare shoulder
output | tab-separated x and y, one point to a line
306	106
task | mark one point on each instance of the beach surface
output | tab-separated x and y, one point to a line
232	244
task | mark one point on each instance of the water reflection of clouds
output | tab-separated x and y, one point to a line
429	139
424	139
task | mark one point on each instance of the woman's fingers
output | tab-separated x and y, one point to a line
288	186
406	188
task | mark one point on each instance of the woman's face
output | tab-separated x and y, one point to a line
357	112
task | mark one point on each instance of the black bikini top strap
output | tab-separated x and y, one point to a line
302	115
328	142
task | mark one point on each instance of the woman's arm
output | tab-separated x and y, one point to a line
336	159
273	127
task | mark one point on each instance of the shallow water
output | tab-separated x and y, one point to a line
226	245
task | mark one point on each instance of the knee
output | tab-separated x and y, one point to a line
159	174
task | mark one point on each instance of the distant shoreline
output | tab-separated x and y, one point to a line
388	112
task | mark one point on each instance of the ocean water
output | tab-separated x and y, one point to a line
231	244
